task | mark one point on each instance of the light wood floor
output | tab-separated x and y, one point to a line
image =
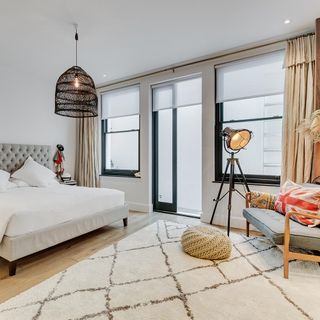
40	266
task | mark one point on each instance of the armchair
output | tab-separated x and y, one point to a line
284	232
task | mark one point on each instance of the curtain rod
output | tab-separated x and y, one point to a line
173	68
302	36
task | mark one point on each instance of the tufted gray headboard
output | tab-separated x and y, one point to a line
12	156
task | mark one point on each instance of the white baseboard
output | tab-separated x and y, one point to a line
142	207
236	222
219	219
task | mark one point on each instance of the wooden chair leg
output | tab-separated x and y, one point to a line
125	222
286	247
12	268
248	228
285	263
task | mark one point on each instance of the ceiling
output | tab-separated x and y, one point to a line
119	38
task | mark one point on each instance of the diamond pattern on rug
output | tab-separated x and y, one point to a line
180	261
26	312
77	277
247	247
137	239
242	301
32	296
147	276
76	305
301	293
266	260
159	311
201	278
237	269
140	292
104	253
139	264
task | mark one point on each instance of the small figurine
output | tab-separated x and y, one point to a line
58	160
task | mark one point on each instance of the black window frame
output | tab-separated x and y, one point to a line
117	172
219	165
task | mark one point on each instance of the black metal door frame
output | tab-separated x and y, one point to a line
158	205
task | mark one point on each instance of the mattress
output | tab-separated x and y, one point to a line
31	209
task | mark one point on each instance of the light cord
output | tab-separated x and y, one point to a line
76	38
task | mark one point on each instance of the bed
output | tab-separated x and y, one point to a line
43	217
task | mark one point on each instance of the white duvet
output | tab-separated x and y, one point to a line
24	210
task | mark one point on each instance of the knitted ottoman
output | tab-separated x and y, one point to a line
206	242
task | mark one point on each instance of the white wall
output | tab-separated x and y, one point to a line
27	112
139	191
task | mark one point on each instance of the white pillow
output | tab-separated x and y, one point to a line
34	174
4	180
19	183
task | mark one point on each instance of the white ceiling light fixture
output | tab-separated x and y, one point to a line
287	21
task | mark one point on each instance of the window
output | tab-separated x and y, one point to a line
120	131
177	129
250	96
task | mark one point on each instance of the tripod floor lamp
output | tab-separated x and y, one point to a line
234	140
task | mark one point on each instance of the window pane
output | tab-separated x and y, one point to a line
165	179
120	102
189	92
122	151
260	107
162	97
123	123
273	106
262	156
258	76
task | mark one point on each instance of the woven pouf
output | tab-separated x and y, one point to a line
206	242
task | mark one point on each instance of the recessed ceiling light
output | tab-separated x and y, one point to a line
104	75
287	21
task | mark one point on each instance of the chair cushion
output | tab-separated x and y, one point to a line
206	242
271	224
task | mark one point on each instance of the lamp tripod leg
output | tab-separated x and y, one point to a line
231	188
220	190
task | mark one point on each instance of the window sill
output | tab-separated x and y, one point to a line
253	183
118	176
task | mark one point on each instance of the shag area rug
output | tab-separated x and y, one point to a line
148	276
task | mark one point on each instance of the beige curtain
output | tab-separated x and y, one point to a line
297	149
86	170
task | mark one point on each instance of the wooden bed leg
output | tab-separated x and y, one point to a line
125	222
248	228
12	268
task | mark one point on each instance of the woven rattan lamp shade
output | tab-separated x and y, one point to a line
76	101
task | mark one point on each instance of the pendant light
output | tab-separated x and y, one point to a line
76	95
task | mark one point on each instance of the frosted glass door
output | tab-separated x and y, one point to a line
189	160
